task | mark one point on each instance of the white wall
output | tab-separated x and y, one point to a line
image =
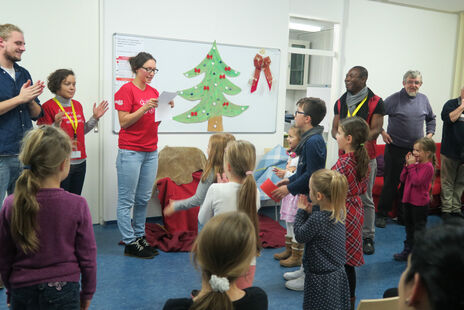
230	22
63	34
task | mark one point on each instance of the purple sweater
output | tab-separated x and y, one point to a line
417	179
406	116
67	244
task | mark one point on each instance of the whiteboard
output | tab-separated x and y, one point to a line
177	59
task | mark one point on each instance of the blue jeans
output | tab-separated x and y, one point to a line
45	297
136	175
10	169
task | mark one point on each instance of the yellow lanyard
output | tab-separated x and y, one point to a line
73	124
357	108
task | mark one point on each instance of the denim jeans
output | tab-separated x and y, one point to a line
46	297
10	169
136	175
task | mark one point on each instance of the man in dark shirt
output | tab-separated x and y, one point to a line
359	100
18	105
452	157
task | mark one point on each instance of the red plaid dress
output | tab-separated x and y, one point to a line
346	165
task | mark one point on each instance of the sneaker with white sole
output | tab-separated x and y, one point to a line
296	284
292	275
135	249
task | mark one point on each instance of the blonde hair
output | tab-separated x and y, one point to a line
225	248
215	163
7	29
334	187
428	145
241	156
43	150
298	131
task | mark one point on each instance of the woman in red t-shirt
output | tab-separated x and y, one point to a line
137	160
64	112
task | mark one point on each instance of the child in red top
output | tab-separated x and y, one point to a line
417	175
354	164
64	112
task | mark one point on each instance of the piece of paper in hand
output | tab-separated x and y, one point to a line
163	111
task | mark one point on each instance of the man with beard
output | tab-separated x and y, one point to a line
18	105
407	111
359	100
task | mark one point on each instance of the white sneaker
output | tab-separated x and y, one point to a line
296	284
294	274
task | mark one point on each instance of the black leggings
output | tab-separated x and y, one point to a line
351	274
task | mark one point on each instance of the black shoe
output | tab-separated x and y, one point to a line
136	250
446	216
380	221
368	246
143	242
402	256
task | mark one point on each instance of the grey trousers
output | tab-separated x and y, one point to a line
368	203
452	184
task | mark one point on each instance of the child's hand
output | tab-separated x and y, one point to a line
304	204
280	192
169	210
279	172
222	178
410	159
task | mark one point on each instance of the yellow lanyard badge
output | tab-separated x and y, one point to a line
73	124
357	108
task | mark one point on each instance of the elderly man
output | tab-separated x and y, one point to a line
407	112
360	101
452	157
18	104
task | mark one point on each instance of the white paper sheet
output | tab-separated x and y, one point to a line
163	111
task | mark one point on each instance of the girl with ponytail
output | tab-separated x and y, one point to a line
222	252
239	194
320	227
354	164
46	233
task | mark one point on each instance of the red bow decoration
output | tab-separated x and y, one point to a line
205	87
227	69
225	104
197	70
193	113
261	64
222	76
209	56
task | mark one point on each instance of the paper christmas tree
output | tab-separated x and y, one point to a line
213	104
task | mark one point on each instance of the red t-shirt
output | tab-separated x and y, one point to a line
50	109
142	135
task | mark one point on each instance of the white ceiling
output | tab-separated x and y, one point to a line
452	6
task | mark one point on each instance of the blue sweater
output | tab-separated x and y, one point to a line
312	158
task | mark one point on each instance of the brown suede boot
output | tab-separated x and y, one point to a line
288	250
295	259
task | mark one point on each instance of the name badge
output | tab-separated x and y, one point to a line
75	154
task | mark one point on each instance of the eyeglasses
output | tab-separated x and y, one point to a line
411	82
150	70
299	112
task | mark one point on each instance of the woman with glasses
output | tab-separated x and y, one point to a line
137	160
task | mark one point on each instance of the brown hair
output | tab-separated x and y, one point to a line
136	62
224	248
7	29
56	78
43	150
241	156
313	107
358	129
215	163
333	186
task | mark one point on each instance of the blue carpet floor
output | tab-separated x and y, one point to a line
131	283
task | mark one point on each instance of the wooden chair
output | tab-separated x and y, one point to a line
379	304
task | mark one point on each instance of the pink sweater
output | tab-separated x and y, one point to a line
417	178
67	244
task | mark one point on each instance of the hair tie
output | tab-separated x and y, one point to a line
219	284
26	167
249	172
361	144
